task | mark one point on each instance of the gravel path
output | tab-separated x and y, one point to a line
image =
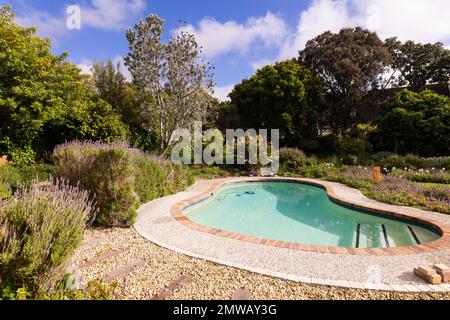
209	280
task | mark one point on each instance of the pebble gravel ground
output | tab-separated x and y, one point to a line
210	281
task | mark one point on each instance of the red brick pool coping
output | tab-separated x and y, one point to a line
377	208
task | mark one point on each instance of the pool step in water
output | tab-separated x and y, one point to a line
371	236
385	236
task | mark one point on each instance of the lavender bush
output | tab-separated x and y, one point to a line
40	227
106	171
118	177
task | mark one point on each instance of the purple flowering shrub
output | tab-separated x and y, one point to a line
118	177
40	227
105	170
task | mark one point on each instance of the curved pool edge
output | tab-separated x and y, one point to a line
345	196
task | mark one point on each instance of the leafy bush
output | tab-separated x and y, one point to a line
118	177
353	151
12	176
293	160
156	177
106	171
95	290
40	227
415	123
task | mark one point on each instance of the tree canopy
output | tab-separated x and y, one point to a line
416	123
285	96
350	64
43	100
416	64
171	73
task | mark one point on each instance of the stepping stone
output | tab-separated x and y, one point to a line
122	270
104	256
168	290
241	294
92	242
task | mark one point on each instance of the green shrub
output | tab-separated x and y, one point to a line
294	161
12	176
424	176
40	227
106	171
95	290
156	177
415	122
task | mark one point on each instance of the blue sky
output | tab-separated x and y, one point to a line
238	36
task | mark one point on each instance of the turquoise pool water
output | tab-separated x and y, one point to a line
301	213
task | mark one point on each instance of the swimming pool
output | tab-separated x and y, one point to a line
301	213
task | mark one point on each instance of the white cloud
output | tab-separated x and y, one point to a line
48	25
418	20
110	15
321	16
85	65
218	38
221	93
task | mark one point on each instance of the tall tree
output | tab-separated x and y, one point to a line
171	73
416	64
350	64
285	96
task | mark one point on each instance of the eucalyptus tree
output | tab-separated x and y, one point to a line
172	74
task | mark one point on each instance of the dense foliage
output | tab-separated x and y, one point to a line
285	96
127	101
349	63
13	176
417	123
43	100
107	173
416	64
